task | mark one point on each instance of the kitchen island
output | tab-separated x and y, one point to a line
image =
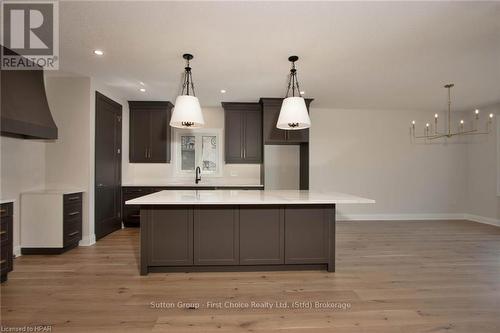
222	230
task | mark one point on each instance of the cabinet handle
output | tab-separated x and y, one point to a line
74	233
73	213
3	261
3	232
146	152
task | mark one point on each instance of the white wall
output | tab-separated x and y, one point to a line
22	169
68	157
282	167
369	153
151	173
482	170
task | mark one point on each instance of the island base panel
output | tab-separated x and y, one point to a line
237	238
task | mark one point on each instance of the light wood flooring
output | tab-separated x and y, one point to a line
418	276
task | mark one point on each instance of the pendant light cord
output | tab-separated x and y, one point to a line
188	80
293	81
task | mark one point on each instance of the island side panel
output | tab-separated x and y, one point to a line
144	245
330	215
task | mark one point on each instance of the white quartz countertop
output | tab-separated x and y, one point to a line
246	197
189	184
2	201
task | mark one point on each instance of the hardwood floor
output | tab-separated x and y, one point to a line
421	276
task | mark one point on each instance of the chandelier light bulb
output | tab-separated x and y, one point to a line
461	122
413	122
477	111
436	116
491	115
427	125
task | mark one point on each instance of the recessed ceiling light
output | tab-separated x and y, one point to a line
142	90
222	91
99	52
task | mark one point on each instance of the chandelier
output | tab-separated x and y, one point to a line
431	132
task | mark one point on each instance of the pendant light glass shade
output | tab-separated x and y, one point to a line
293	114
187	113
187	110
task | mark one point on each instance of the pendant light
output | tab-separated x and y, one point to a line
187	111
293	113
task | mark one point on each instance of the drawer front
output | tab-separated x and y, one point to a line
73	212
6	209
72	232
72	198
6	258
6	231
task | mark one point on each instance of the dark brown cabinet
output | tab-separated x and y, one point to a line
273	136
261	235
243	132
237	237
170	236
150	134
307	234
216	236
6	241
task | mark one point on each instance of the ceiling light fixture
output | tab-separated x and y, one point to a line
187	110
99	52
142	90
293	113
448	133
222	91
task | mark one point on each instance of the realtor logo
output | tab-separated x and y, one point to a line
30	35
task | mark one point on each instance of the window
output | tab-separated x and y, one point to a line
198	148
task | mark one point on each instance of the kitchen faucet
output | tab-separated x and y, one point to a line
198	175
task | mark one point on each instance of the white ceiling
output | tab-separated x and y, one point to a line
352	54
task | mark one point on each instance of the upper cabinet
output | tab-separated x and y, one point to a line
243	132
150	134
275	136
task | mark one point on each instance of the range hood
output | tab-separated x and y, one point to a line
24	108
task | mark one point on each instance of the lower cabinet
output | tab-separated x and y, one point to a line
170	237
216	236
261	235
220	237
306	235
6	239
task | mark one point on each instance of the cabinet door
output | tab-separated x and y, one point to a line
140	137
297	136
306	235
160	131
170	237
234	136
272	135
252	152
216	236
261	235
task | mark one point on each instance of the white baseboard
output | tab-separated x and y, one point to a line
398	217
17	251
417	217
482	219
87	240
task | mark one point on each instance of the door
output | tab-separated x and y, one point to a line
273	135
140	136
160	131
216	236
108	145
253	137
233	136
261	235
